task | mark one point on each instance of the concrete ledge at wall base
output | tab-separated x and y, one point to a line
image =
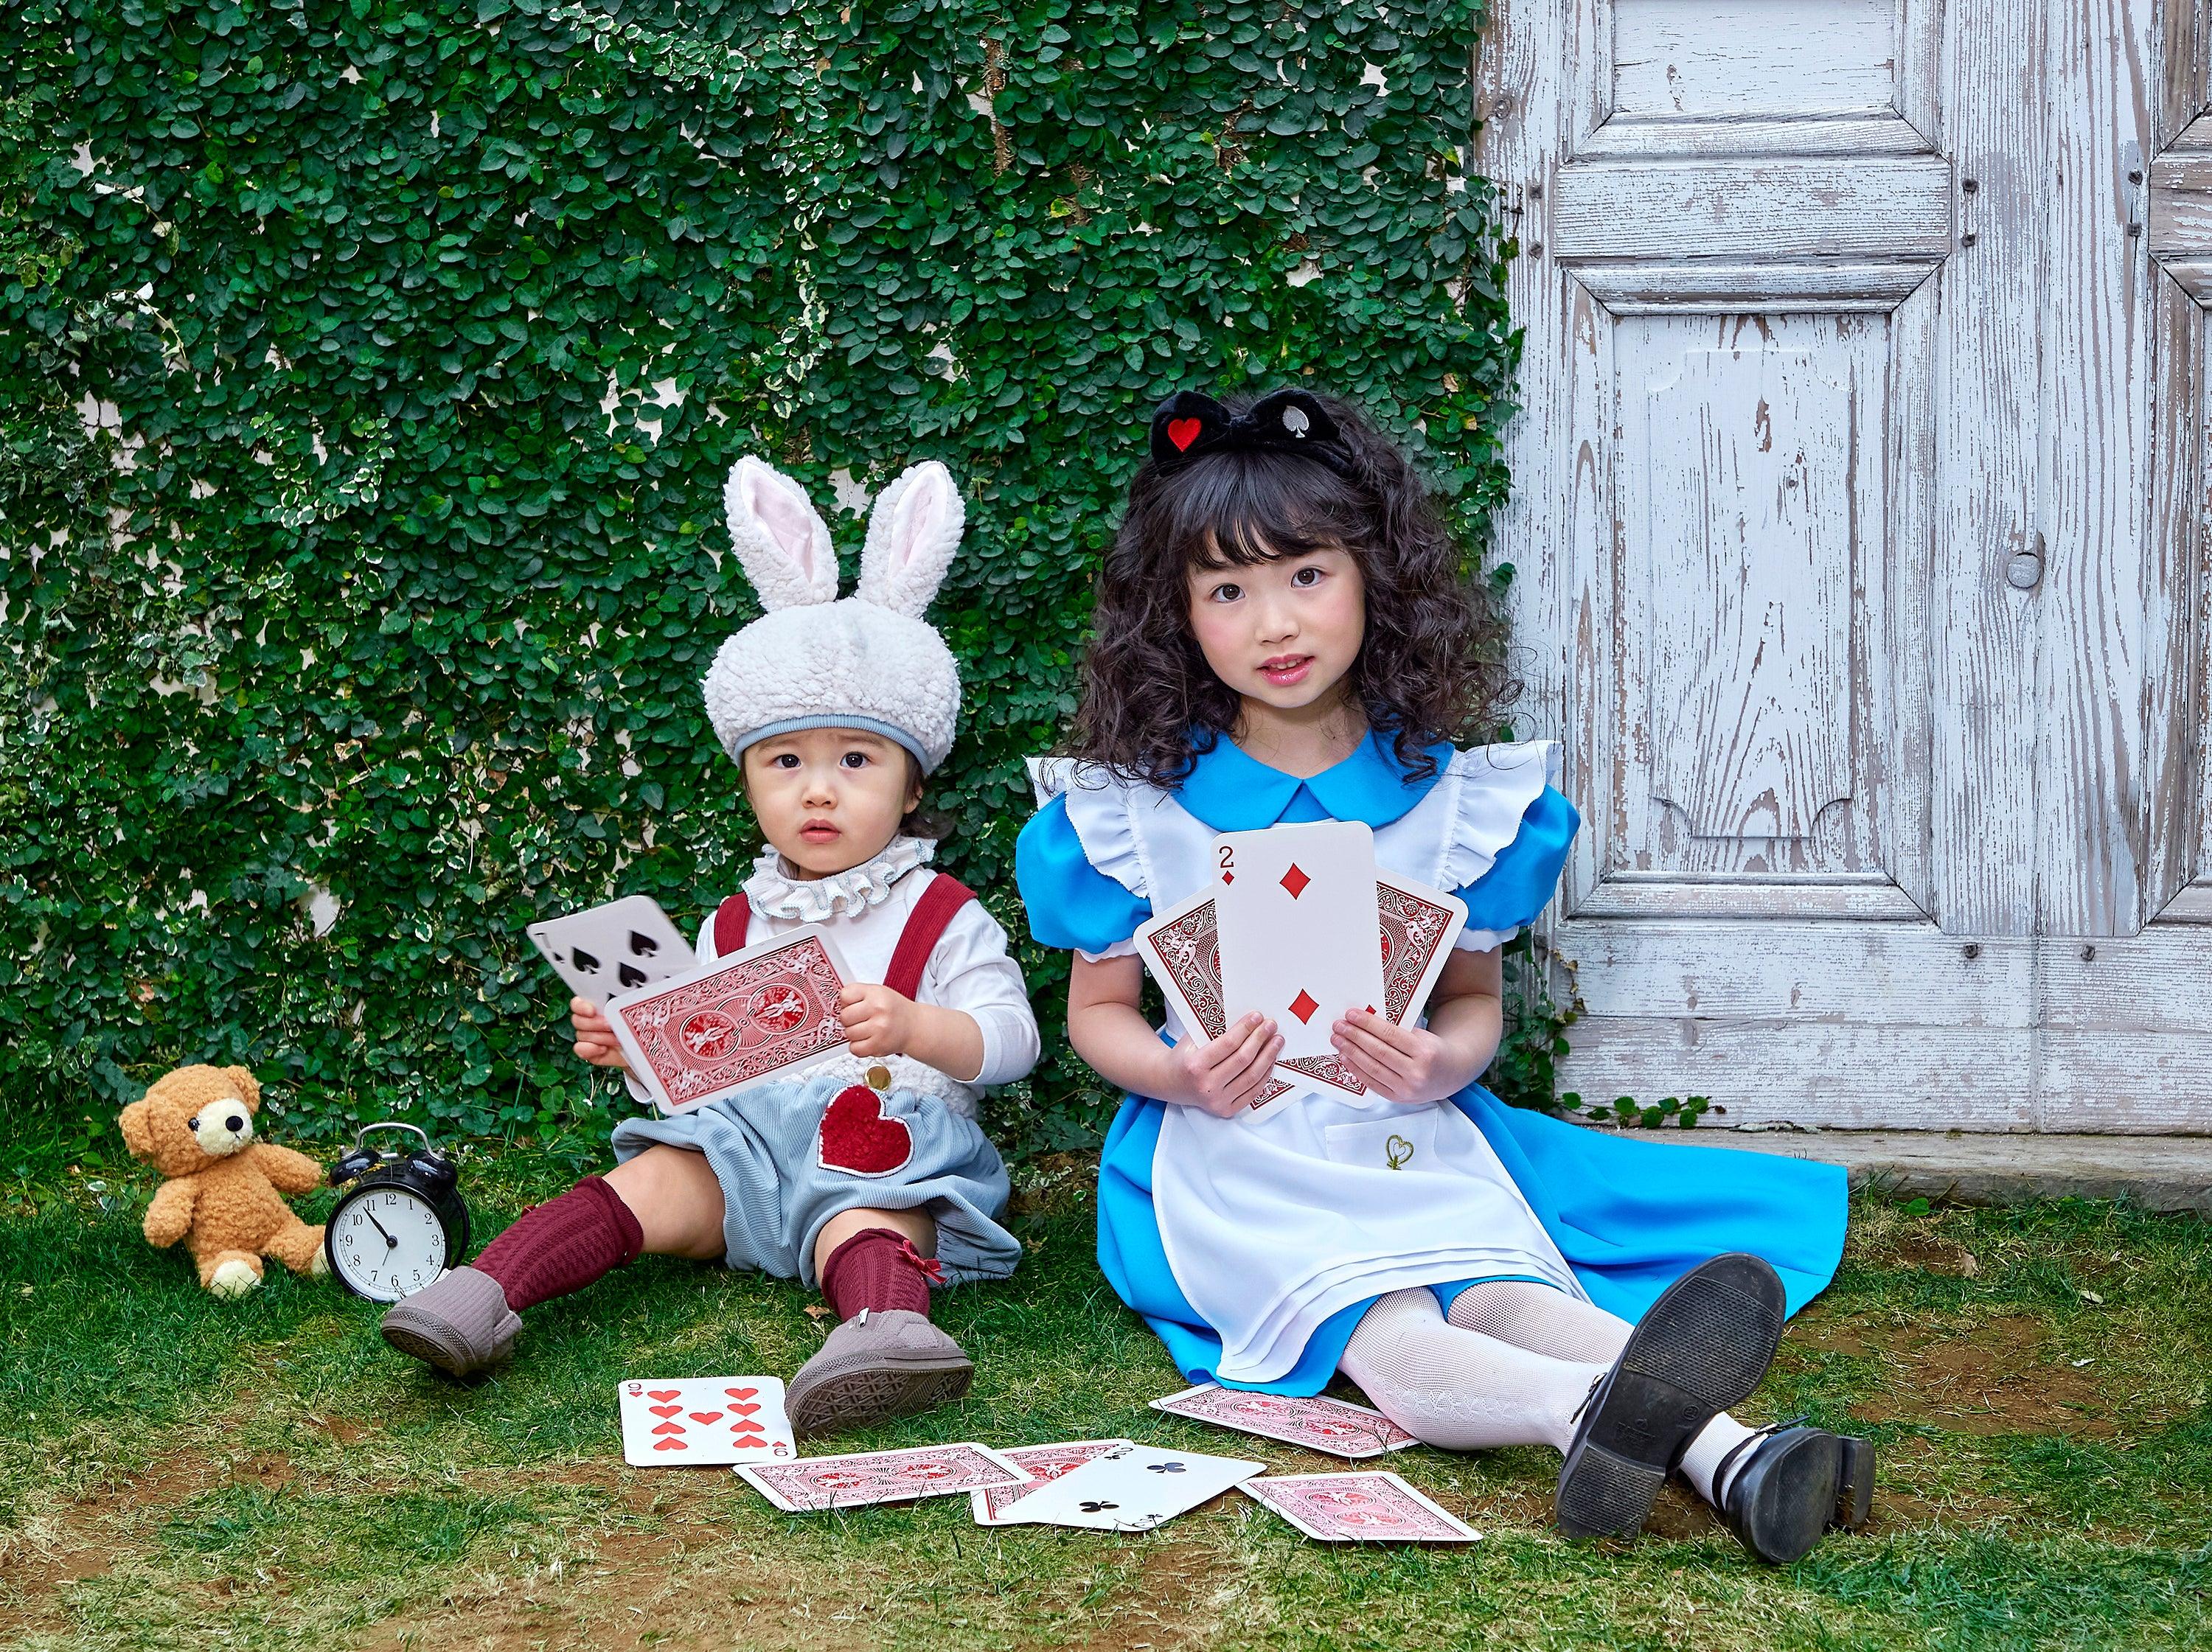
2159	1173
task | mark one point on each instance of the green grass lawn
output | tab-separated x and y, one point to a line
175	1470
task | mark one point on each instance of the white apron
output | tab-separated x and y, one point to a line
1271	1225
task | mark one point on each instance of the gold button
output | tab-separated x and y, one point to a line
879	1077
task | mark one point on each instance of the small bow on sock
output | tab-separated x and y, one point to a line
931	1269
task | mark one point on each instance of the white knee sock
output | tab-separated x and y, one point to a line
1548	1321
1458	1389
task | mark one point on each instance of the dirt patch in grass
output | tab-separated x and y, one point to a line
2001	1377
78	1539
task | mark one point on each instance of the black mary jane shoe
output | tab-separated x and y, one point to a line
1797	1484
1701	1348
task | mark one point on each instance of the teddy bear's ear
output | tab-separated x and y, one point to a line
137	1122
249	1087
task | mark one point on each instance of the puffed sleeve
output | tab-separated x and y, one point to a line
1072	904
1522	874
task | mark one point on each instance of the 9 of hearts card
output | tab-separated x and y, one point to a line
769	1011
694	1422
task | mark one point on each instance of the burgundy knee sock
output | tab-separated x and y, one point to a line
563	1244
877	1269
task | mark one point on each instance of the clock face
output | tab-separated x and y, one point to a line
387	1242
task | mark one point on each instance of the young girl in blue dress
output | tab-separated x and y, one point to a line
1283	635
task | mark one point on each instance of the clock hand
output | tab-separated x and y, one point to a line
389	1241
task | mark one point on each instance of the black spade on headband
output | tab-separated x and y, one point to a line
1188	426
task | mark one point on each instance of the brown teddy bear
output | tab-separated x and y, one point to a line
196	1126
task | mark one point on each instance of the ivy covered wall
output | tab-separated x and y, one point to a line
369	369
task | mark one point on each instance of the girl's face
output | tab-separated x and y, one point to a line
830	799
1283	633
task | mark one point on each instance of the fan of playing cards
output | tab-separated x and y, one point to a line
1299	925
1104	1485
694	1033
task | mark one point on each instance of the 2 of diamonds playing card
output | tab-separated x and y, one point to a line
1041	1463
1128	1488
690	1422
1416	927
607	952
1298	914
1369	1506
769	1011
1316	1422
814	1483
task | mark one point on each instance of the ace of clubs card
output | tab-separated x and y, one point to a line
1297	910
691	1422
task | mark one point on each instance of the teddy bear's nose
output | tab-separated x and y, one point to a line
192	1124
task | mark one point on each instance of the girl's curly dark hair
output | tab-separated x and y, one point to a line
1150	704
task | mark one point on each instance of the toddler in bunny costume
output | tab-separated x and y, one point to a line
836	711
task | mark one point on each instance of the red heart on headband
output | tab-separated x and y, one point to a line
1183	433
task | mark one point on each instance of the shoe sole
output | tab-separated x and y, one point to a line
421	1340
1788	1507
853	1398
1702	1347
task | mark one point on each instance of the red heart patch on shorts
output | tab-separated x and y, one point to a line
857	1139
1183	433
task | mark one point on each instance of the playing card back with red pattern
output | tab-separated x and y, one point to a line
1416	926
1316	1422
769	1011
1371	1505
857	1479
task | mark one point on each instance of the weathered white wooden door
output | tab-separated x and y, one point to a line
1861	523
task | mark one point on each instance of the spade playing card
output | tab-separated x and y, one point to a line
856	1479
607	952
1042	1463
691	1422
769	1011
1316	1422
1298	914
1369	1506
1130	1488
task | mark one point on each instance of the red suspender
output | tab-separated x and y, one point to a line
925	927
731	919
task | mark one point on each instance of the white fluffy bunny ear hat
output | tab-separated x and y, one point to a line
810	661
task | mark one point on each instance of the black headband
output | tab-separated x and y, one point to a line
1188	426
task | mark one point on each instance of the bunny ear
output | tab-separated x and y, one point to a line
912	534
781	542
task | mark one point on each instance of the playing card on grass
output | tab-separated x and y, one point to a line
1336	1426
691	1422
1043	1463
769	1011
1370	1505
1129	1488
606	952
814	1483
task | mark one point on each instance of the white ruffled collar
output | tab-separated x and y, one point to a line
811	900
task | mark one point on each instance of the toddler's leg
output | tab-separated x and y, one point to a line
885	1359
665	1201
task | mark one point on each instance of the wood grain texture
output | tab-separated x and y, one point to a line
1769	289
1777	208
1716	57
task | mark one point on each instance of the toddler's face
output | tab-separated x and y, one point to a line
829	799
1283	633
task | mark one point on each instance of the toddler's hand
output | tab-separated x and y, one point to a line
1399	1064
878	1021
595	1038
1221	1076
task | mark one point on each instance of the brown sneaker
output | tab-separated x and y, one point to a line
875	1365
460	1322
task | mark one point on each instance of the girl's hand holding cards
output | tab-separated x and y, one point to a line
1399	1064
595	1038
1224	1075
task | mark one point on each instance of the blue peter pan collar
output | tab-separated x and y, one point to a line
1232	791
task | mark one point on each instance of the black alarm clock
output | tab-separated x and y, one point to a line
400	1224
